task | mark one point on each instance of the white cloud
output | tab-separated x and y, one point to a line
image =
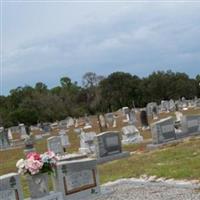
104	39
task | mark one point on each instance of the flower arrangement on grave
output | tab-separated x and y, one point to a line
36	163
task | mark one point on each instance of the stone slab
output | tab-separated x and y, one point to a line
113	157
51	196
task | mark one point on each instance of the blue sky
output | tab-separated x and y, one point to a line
46	41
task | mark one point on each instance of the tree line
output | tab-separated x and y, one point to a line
97	94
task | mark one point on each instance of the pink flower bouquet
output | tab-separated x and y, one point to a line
37	163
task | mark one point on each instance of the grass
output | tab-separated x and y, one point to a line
180	161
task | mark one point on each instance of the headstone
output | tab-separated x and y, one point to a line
54	125
184	103
46	127
64	139
54	144
102	122
29	142
131	135
177	123
109	147
144	119
63	124
163	131
76	123
132	117
87	145
172	105
165	106
10	136
77	179
190	124
115	121
125	112
70	122
179	116
4	141
87	123
23	130
197	103
10	188
109	117
152	110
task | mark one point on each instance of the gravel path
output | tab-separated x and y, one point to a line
136	189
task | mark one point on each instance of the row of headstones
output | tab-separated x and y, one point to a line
170	106
97	145
89	140
105	121
6	136
75	177
167	129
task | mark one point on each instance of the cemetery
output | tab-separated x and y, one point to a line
99	100
78	153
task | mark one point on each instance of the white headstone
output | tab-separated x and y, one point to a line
10	136
64	138
131	135
22	131
54	144
87	145
4	141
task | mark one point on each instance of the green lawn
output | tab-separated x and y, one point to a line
181	161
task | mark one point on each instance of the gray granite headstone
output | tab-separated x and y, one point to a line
165	106
163	130
109	147
197	103
108	143
132	117
109	117
4	141
64	138
29	142
190	124
77	179
10	187
54	144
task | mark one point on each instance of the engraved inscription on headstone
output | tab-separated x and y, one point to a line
108	143
77	179
190	124
163	130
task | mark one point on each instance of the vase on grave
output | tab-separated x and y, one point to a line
38	185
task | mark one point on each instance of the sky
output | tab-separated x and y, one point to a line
42	41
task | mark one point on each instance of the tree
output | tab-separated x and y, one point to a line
65	82
40	87
119	89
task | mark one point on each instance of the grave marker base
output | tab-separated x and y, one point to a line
105	159
51	196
